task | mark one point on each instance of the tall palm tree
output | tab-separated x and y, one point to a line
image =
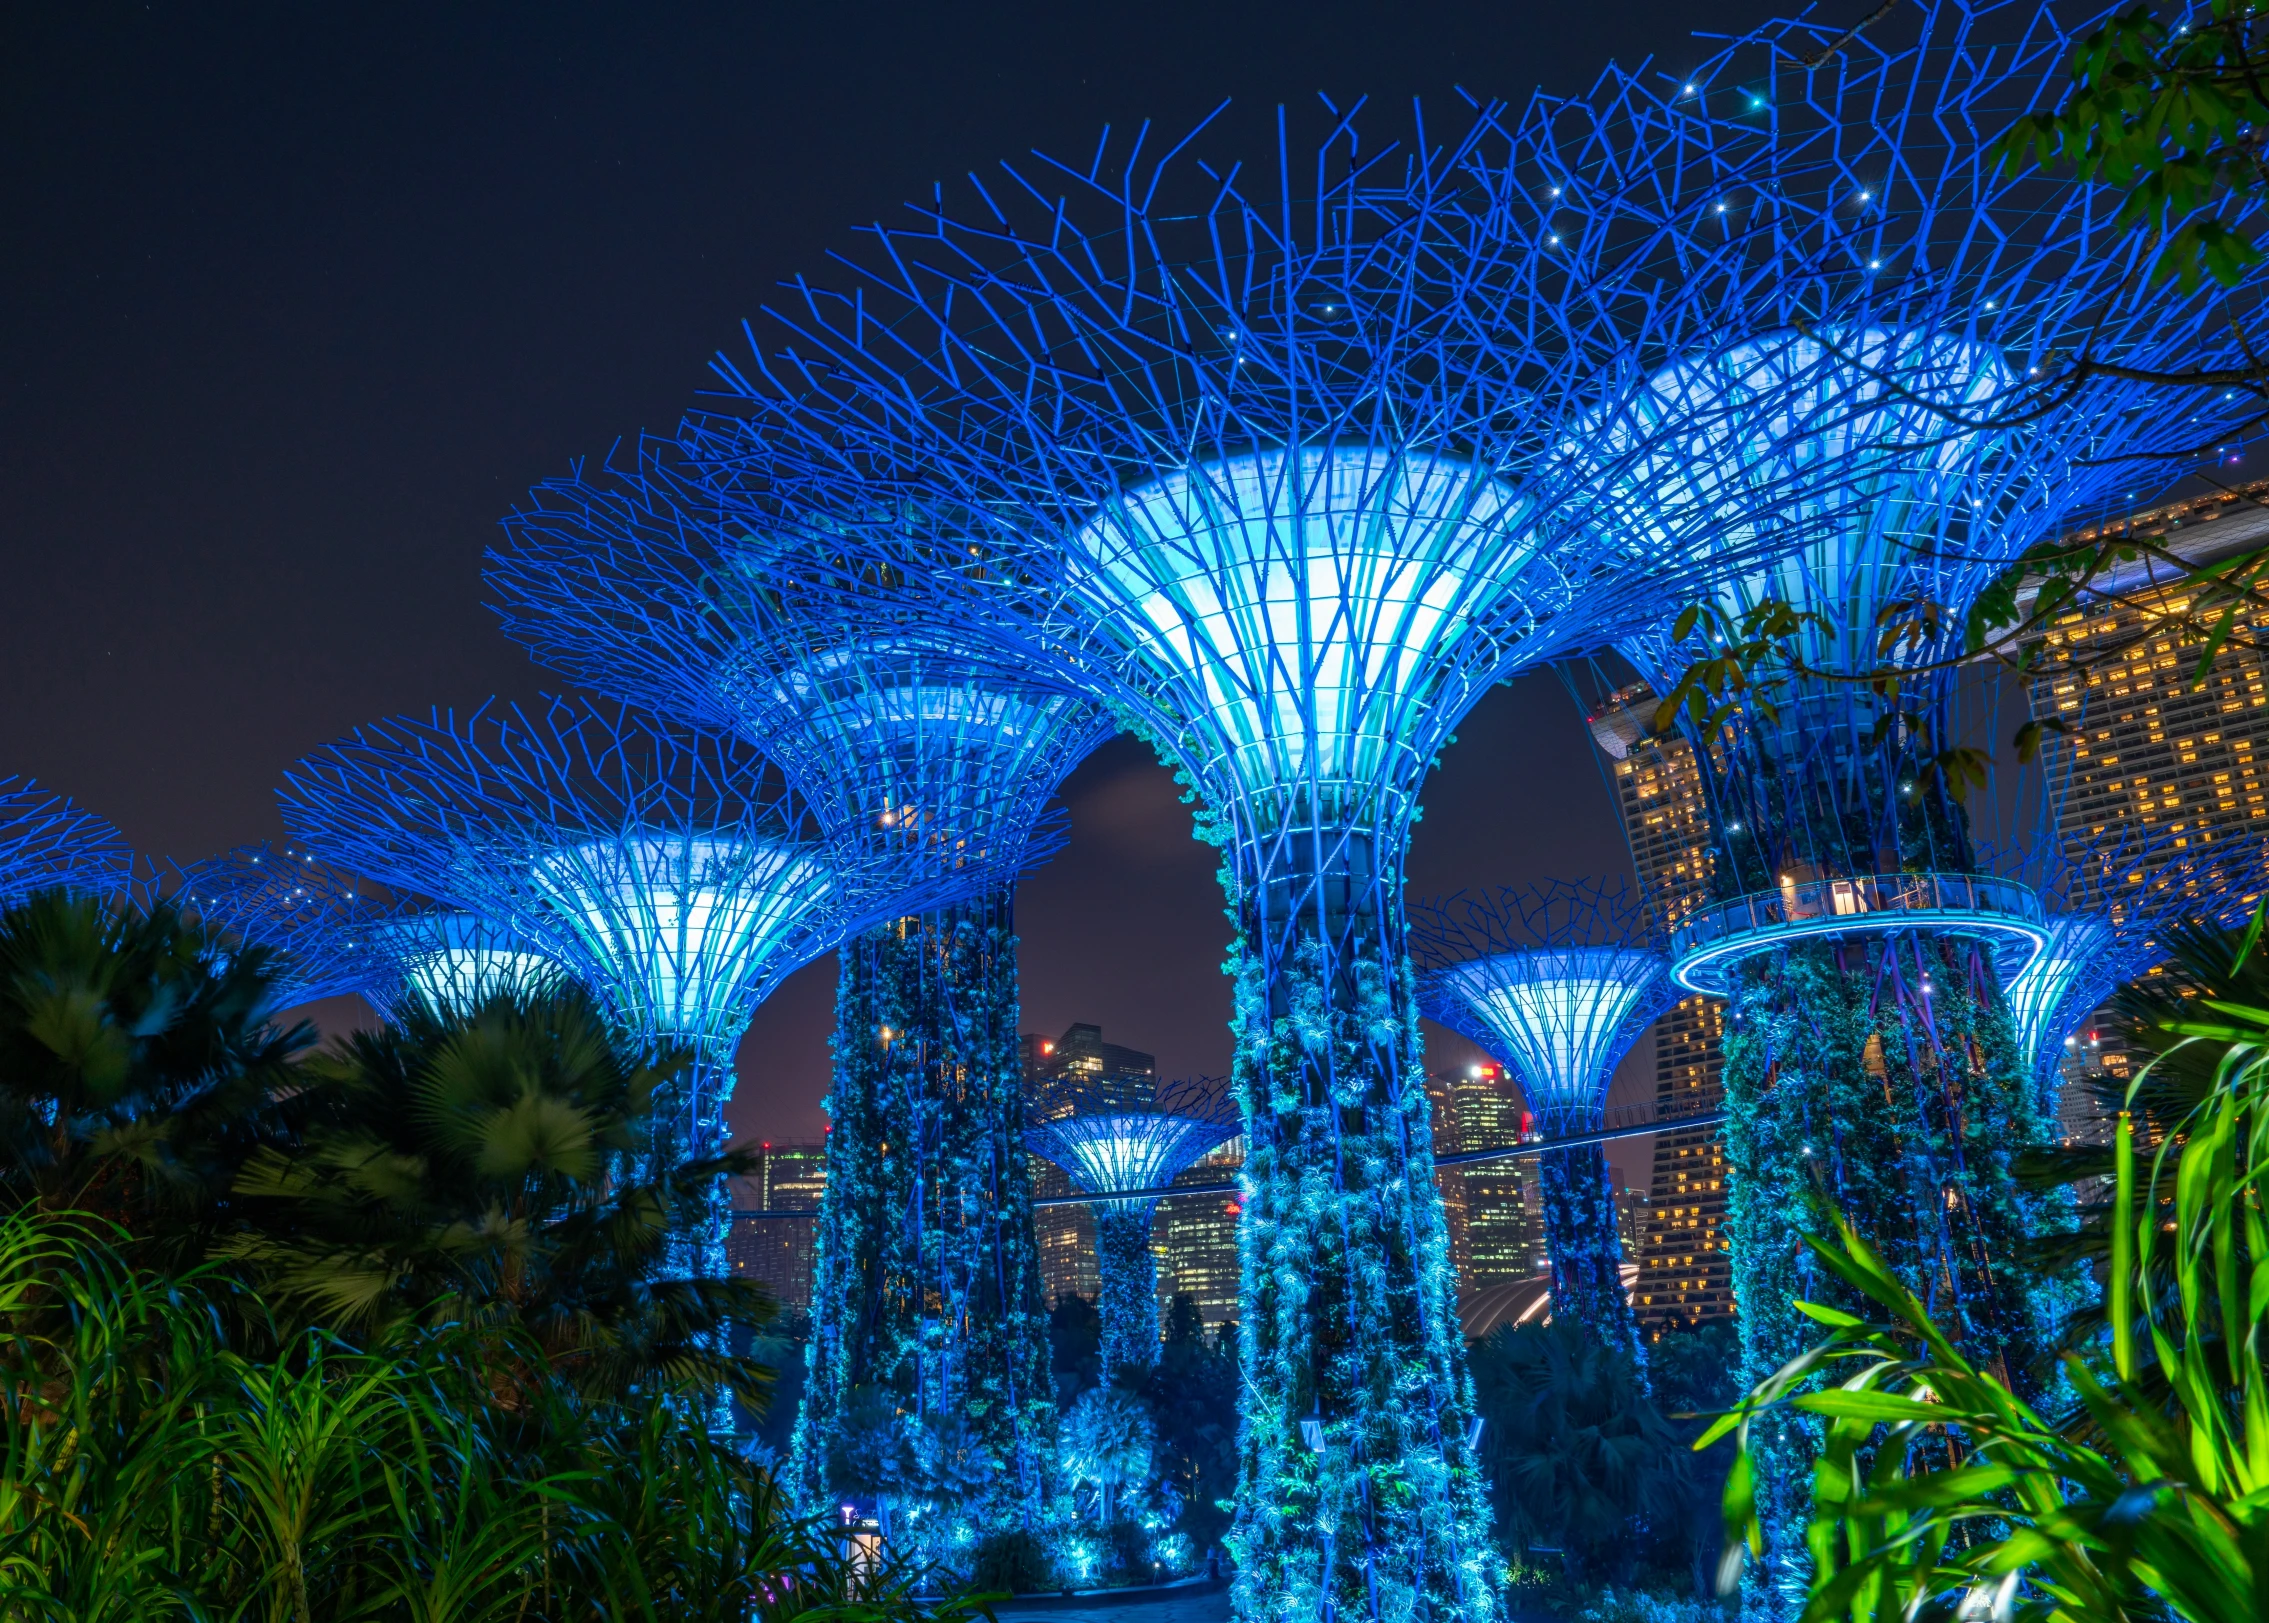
498	1166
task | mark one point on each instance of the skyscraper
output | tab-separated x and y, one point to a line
2148	748
777	1251
1684	1275
1196	1238
1496	1220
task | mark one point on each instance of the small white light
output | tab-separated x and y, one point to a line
1864	196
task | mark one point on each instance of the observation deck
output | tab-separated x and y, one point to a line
2002	913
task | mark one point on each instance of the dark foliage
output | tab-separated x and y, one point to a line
1591	1470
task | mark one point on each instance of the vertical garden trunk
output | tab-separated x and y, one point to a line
1129	1275
1359	1496
1879	1078
926	1294
1585	1251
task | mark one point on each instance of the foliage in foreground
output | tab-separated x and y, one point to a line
1591	1467
1938	1489
148	1469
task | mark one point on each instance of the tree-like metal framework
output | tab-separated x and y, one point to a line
1105	1141
1287	479
48	843
1556	983
662	868
2110	905
1869	1045
334	933
912	744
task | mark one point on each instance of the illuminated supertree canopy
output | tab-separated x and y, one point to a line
1288	484
335	933
653	865
1870	1048
1556	983
912	744
1106	1142
46	843
2110	906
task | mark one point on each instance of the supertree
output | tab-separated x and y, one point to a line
335	933
2110	906
1556	982
1870	1052
46	843
908	741
1108	1143
662	868
1289	481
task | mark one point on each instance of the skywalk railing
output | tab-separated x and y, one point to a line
1457	1158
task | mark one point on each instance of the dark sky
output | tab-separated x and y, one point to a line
298	299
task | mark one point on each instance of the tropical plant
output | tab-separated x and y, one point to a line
498	1167
1107	1440
138	1066
1938	1489
1585	1464
1192	1393
149	1469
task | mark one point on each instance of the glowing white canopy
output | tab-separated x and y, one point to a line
1136	1150
1561	1017
458	960
1298	612
1860	452
686	932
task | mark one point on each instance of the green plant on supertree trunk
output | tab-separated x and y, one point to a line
926	1284
1578	1196
1129	1276
1881	1075
1357	1475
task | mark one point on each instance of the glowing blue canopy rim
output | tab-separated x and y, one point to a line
904	739
48	843
655	866
1556	982
1106	1141
322	925
335	933
2113	904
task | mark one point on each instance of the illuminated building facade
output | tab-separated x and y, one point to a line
1197	1237
2172	773
1685	1275
790	1176
1496	1220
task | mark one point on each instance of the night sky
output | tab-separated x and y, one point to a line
298	301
